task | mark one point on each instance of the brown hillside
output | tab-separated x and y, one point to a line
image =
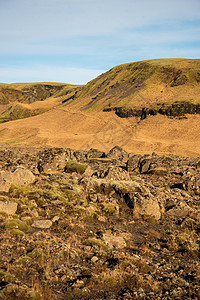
30	92
161	99
103	130
142	84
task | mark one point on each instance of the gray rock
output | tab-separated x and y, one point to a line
132	163
53	160
94	259
144	165
148	207
160	171
95	153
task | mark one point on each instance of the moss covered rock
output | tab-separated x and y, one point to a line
73	166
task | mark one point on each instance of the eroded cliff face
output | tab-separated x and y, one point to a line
176	109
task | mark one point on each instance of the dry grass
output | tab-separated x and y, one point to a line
69	126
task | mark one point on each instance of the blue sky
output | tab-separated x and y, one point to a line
73	41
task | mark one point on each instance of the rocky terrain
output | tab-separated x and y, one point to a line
95	225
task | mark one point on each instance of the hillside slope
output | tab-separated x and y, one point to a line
104	130
151	84
31	92
143	107
23	100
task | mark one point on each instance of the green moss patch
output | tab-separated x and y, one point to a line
17	232
6	277
73	166
17	224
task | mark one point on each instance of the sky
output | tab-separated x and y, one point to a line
74	41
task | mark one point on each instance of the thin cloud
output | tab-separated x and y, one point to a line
90	34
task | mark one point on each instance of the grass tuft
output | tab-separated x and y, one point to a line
73	166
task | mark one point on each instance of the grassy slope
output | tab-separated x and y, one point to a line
66	126
142	84
31	92
23	100
19	111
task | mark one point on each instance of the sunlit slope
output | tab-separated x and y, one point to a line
31	92
84	117
23	100
103	130
142	84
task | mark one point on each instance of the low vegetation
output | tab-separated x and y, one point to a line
17	111
73	166
73	235
142	84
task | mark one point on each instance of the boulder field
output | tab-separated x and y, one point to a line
93	225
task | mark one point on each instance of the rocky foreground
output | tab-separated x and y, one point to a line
91	225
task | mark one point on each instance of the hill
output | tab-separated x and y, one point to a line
16	100
144	107
161	84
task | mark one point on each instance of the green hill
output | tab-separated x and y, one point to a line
151	84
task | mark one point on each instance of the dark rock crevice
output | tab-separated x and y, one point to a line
176	109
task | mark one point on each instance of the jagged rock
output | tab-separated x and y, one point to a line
55	219
20	176
120	187
42	224
193	184
88	171
132	163
95	153
158	171
34	213
118	153
8	207
80	155
144	206
115	173
52	160
148	207
144	165
94	259
99	164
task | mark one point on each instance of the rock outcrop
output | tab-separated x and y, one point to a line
126	228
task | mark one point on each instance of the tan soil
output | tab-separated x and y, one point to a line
62	127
